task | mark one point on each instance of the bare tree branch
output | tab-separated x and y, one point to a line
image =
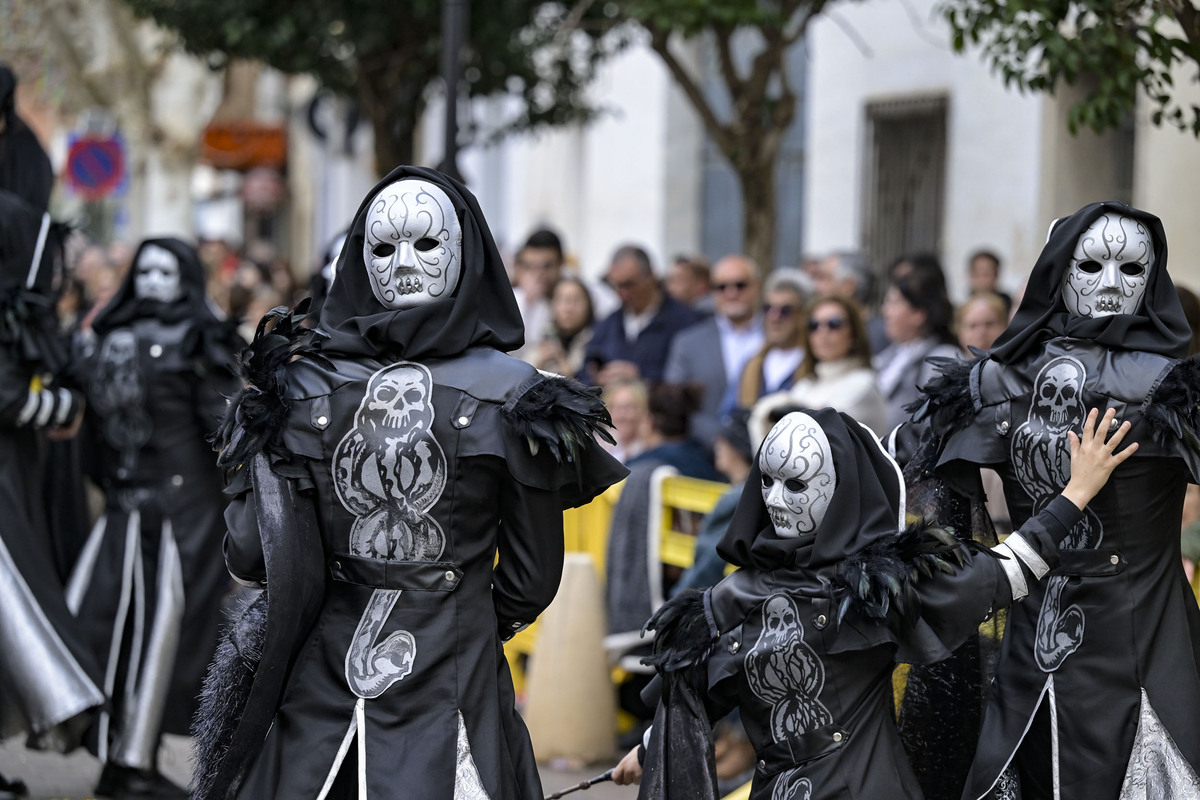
660	41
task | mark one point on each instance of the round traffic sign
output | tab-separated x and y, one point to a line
95	166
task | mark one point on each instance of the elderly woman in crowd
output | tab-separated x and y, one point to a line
779	364
979	320
837	371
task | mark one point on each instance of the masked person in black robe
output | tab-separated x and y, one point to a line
149	582
47	680
1099	673
832	591
24	166
382	468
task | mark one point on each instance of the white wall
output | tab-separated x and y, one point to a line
631	176
992	188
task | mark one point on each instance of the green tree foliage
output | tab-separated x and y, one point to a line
1114	48
388	53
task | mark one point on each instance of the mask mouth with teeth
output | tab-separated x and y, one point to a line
1109	268
412	244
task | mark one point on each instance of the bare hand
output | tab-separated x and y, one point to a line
62	433
629	771
1093	459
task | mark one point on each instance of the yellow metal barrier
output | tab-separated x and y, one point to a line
685	501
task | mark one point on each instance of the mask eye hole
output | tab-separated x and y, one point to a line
768	481
383	250
1090	267
1133	269
425	244
795	485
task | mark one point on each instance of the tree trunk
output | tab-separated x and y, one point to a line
394	104
758	212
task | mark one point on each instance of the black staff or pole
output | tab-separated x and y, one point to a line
589	783
455	21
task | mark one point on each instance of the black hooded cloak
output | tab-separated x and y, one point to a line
1100	665
803	637
148	585
392	660
24	166
46	673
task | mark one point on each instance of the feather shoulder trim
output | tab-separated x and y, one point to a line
257	413
559	413
685	634
946	400
1173	406
884	575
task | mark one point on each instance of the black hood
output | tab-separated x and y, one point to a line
1159	326
125	307
866	506
481	312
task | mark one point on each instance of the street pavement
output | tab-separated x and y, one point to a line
71	777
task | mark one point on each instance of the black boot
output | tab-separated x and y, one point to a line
12	789
127	783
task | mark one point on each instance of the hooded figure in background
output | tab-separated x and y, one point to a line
832	590
1099	669
24	166
380	463
47	679
149	582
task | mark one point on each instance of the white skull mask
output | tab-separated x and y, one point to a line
413	245
399	401
1109	268
798	476
156	275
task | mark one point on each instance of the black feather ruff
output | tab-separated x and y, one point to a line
560	414
684	633
225	692
257	413
883	576
1173	409
947	401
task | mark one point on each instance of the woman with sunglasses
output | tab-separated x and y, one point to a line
836	371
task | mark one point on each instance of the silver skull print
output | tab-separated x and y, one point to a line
798	476
1109	268
412	245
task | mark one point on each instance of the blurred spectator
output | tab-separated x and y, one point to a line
671	407
634	340
714	352
536	271
983	275
836	372
917	315
980	320
846	273
689	280
925	263
733	454
776	366
564	342
629	406
262	299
